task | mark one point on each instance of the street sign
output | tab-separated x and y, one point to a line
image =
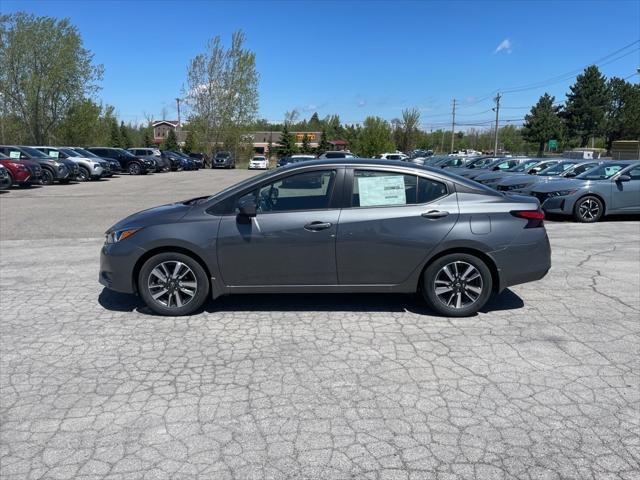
553	144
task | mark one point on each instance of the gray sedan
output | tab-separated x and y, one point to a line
611	188
523	184
493	176
346	225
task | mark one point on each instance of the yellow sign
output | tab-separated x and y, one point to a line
310	136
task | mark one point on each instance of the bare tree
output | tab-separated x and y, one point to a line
409	129
222	91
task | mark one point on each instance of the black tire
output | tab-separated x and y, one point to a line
588	209
134	168
47	177
11	179
459	286
84	175
197	273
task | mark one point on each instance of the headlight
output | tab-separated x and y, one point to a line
116	236
562	193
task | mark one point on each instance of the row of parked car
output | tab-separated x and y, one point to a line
585	189
24	166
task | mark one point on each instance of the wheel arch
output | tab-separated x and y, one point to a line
164	249
489	262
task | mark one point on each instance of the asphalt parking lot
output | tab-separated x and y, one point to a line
543	384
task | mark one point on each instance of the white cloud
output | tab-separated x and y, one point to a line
505	46
362	103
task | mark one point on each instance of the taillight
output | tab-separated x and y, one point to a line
535	218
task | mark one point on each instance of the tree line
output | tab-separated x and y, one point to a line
49	85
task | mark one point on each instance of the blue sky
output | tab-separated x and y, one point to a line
357	58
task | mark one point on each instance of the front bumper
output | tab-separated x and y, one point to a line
117	262
257	166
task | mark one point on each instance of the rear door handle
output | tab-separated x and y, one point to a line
317	226
435	214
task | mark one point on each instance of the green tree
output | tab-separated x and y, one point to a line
409	127
543	123
287	142
375	137
147	139
306	146
314	123
623	111
81	125
114	134
125	139
585	107
45	71
189	143
223	91
171	143
323	144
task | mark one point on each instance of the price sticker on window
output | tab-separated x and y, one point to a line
384	190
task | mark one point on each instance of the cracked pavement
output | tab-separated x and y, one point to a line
543	384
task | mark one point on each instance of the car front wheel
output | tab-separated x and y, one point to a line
47	177
134	169
588	209
457	285
173	284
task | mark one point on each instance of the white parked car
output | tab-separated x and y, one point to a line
393	156
259	162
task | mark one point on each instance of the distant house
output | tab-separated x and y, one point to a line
339	144
161	129
261	140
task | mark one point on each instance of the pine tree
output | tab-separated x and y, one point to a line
189	144
125	140
146	138
543	123
623	111
314	122
114	134
586	104
287	142
171	142
306	146
323	145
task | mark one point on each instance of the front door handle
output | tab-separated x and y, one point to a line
433	214
317	226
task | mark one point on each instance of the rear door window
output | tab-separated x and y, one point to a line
373	188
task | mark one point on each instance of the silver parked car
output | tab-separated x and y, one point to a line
611	188
88	168
523	184
346	225
472	169
492	177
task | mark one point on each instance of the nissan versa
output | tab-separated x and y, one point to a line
341	225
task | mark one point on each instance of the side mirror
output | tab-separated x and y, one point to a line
623	178
247	207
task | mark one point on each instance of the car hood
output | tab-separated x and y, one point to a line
518	179
560	185
153	216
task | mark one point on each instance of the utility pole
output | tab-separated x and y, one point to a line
497	110
453	124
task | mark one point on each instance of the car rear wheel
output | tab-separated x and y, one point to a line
134	169
173	284
47	177
457	285
588	209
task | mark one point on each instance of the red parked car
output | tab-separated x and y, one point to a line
21	172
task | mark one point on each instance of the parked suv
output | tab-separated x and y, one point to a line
5	181
53	169
128	162
199	158
23	173
175	161
162	164
114	165
223	160
89	168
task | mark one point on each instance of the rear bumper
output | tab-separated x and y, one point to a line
523	263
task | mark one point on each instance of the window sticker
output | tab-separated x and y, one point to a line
14	154
54	154
386	190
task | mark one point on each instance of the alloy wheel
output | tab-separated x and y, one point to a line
47	177
172	284
458	284
134	169
589	209
83	175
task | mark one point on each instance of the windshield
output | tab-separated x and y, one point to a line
32	152
481	162
557	169
243	183
125	153
580	169
86	153
523	166
68	152
603	172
